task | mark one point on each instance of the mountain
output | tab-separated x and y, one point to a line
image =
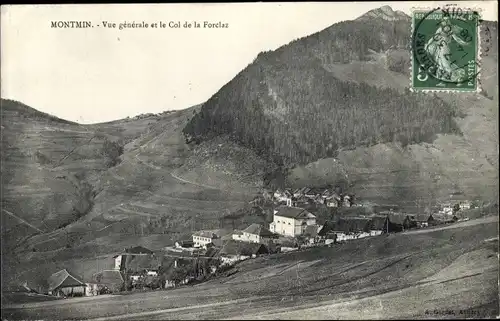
336	106
385	13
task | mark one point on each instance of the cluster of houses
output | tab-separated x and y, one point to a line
306	195
450	209
225	247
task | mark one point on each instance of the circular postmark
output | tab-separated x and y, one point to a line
444	44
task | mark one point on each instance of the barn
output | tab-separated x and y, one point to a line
62	283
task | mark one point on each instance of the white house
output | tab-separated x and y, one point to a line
291	221
283	196
237	235
447	209
118	262
152	273
347	200
202	238
465	205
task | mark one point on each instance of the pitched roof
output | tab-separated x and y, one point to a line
351	224
442	217
397	218
243	248
258	229
63	279
293	212
186	243
138	263
377	222
108	277
419	217
327	227
304	190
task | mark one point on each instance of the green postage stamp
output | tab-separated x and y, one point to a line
445	49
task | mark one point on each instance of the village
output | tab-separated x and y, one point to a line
211	253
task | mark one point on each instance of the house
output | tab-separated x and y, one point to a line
435	219
184	244
291	221
348	200
120	258
237	235
312	193
301	192
327	228
267	195
141	265
421	220
256	233
333	200
234	251
109	281
318	199
351	228
376	225
91	289
283	196
447	209
202	238
395	223
465	205
62	283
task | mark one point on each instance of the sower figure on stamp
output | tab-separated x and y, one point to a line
438	48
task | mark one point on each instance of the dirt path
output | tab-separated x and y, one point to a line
21	220
146	314
482	220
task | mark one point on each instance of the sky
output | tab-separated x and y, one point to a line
98	74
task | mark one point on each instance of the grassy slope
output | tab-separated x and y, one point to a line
127	196
395	276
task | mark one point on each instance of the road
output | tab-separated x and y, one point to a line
482	220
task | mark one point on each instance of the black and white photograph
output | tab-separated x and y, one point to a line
258	160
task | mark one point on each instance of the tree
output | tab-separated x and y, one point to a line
180	274
456	208
112	152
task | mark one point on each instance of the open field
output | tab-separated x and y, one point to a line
445	271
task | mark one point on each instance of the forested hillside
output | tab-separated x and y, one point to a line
288	106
